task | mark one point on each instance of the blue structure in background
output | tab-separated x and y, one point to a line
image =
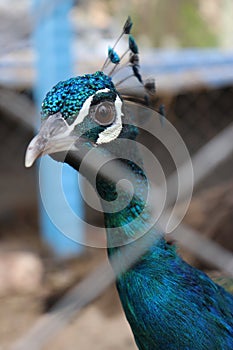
53	38
179	70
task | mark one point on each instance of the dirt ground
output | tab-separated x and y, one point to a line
96	324
102	323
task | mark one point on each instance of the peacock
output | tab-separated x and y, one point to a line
169	304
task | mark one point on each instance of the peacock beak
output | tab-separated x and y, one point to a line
54	136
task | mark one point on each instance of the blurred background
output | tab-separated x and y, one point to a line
187	46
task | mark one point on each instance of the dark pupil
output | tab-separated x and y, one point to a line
105	114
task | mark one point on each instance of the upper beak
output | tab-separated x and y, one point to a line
53	137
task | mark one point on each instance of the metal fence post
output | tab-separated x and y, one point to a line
52	41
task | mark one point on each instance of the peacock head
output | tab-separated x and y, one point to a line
90	108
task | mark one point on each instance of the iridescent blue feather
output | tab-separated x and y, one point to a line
132	45
113	56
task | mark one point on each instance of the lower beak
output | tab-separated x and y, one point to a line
35	149
53	137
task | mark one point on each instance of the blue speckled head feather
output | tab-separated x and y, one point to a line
67	97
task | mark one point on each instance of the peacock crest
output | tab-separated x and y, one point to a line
125	67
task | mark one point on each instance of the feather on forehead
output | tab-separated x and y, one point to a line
68	97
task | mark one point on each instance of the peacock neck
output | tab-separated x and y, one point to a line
127	215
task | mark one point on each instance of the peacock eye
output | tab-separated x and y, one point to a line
105	113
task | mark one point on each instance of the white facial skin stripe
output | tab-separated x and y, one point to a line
113	131
84	110
110	133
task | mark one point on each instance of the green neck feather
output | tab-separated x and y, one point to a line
126	213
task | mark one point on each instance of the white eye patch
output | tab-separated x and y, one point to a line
85	109
113	131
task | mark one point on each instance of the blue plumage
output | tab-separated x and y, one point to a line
113	56
68	96
170	305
